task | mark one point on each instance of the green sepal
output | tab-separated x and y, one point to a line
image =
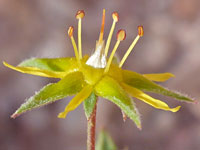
89	105
110	89
67	86
105	142
138	81
51	64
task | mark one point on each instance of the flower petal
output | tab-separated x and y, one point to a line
109	88
67	86
51	64
159	77
48	67
140	82
148	99
77	100
36	71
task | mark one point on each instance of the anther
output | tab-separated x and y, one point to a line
121	35
79	15
70	31
140	34
140	31
115	17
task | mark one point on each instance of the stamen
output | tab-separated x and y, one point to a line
70	33
140	31
79	15
102	27
140	34
121	35
115	17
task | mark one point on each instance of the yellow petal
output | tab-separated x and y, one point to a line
148	99
77	100
159	77
36	71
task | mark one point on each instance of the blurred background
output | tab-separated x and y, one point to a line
37	28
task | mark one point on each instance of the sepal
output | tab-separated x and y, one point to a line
67	86
110	89
89	105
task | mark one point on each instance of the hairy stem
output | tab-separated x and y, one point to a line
91	130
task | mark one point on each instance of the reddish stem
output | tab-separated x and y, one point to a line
91	130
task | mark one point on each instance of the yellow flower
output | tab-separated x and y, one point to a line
97	75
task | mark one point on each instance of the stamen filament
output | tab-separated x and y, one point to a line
79	39
129	51
115	19
75	48
79	15
102	27
120	37
140	34
70	33
111	56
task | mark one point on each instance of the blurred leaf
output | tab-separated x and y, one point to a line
159	77
109	89
67	86
89	105
77	100
105	142
138	81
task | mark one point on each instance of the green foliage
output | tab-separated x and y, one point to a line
105	142
138	81
89	105
67	86
109	89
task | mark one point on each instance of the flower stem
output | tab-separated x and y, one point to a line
91	130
